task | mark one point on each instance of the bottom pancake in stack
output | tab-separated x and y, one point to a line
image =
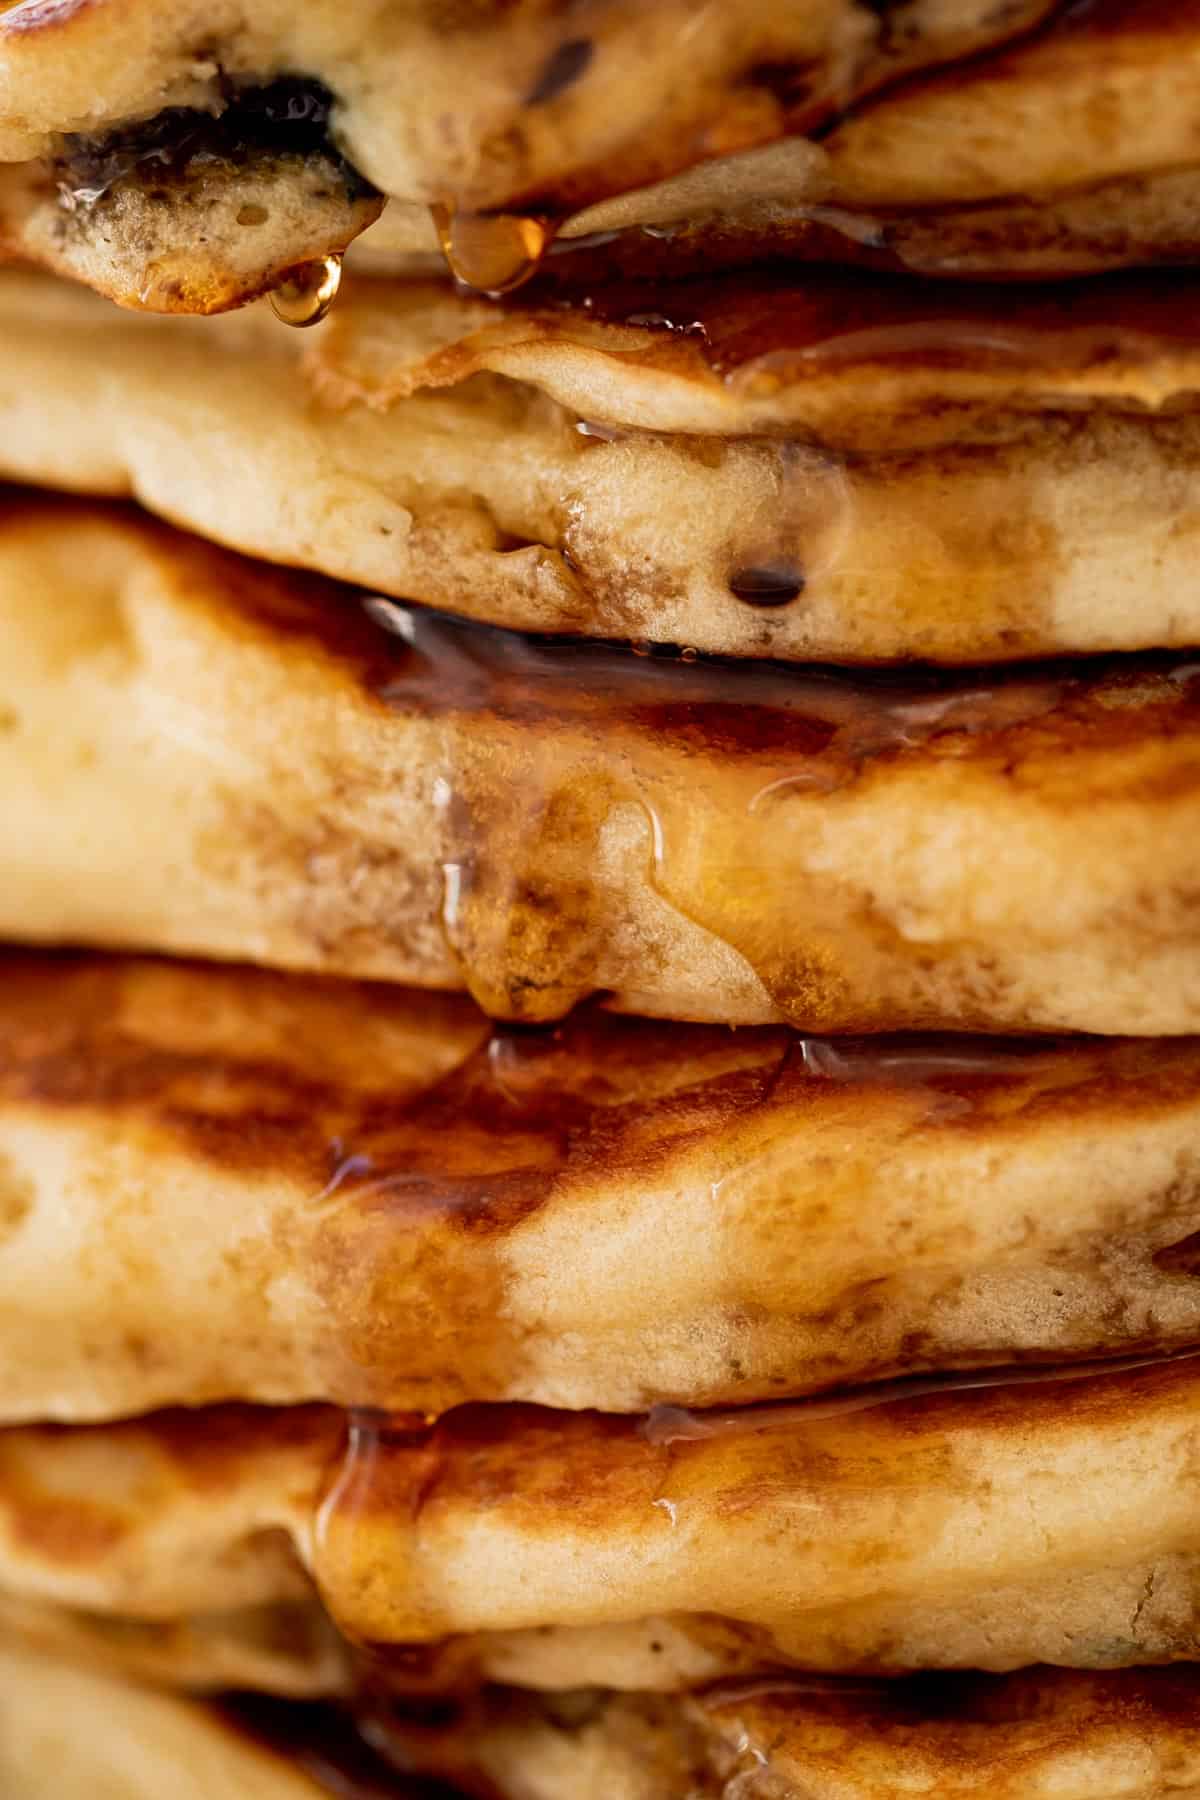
1045	1734
697	1599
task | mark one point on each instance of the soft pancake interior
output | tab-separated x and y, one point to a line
1076	1737
67	1733
1068	152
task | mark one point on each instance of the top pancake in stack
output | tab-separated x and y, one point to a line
185	162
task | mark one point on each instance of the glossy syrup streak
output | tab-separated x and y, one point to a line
829	319
523	806
392	1461
447	665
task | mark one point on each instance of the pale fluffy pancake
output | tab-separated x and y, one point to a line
206	755
70	1735
837	468
290	1648
1044	1520
192	154
219	1183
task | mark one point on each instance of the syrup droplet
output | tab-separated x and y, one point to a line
492	253
798	537
592	428
308	293
772	585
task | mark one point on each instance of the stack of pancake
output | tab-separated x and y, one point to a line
600	1028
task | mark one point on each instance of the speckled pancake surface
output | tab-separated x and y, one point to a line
1047	1735
224	1184
180	150
991	1526
306	780
832	468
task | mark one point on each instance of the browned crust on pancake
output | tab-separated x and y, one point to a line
282	1189
959	1527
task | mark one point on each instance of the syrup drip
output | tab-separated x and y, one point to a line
492	253
308	292
775	584
666	1425
602	737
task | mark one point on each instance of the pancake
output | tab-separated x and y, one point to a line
69	1734
1075	147
470	108
1075	1737
1026	1737
1070	151
303	782
939	486
289	1650
223	1184
1032	1520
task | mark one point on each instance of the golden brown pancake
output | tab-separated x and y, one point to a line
1046	1733
1032	1520
180	150
289	1649
221	1183
939	486
209	756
